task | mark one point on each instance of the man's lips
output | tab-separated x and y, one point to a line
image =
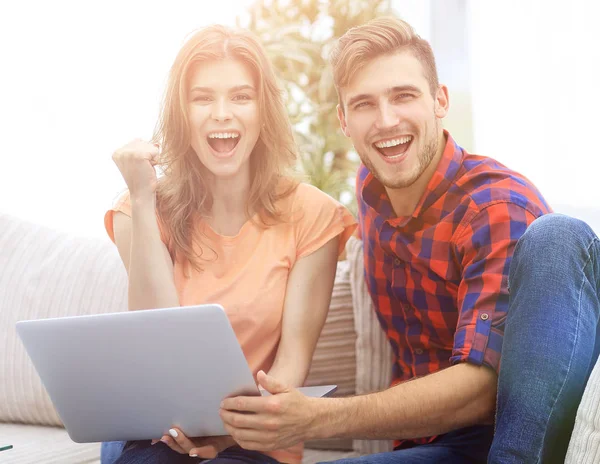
393	147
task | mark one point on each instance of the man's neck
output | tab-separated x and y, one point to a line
405	200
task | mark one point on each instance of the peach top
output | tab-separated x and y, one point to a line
247	273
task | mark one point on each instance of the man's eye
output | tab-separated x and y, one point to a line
403	96
361	105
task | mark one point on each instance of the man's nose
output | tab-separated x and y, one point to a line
386	117
221	110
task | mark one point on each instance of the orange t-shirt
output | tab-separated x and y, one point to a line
247	273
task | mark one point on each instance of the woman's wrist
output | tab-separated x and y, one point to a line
143	200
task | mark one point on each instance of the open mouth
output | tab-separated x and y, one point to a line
394	148
223	142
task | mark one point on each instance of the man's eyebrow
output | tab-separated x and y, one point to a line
403	88
391	90
237	88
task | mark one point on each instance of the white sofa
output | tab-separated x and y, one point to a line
46	273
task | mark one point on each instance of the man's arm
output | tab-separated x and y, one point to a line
455	397
459	396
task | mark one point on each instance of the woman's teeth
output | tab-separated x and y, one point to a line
223	142
223	135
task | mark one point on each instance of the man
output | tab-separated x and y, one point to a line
440	230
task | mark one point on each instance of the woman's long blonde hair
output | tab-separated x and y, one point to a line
182	193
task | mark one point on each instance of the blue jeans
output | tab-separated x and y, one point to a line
464	446
551	340
142	452
551	343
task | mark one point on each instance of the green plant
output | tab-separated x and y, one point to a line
298	36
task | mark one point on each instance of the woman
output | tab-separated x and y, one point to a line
225	224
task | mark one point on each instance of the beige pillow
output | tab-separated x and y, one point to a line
373	350
584	447
353	351
46	273
334	360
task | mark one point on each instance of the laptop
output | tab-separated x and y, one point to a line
133	375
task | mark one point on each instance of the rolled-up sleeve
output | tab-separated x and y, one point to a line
485	245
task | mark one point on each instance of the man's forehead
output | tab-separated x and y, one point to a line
386	72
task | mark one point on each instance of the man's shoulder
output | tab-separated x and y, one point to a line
486	181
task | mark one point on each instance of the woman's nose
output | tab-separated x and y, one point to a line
221	111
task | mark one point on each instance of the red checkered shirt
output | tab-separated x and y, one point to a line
438	279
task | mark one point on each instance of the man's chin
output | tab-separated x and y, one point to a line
399	181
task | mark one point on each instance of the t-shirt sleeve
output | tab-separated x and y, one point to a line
123	205
318	219
485	246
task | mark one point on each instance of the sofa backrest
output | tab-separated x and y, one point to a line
45	274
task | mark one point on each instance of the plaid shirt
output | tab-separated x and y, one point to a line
438	279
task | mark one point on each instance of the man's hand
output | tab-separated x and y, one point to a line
204	447
271	422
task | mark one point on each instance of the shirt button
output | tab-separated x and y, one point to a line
484	316
418	351
397	262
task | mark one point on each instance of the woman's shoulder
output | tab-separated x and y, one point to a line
304	195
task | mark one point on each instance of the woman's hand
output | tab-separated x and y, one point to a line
136	162
203	447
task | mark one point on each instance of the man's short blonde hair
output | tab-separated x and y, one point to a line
380	36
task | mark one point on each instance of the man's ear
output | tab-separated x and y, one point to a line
342	118
442	101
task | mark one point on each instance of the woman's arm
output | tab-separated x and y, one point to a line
307	299
145	256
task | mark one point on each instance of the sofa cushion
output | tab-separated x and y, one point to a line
51	274
50	445
45	274
584	447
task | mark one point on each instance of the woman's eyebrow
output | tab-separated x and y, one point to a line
237	88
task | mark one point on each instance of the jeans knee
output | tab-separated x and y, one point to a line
554	233
551	239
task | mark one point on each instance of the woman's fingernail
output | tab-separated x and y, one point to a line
193	455
173	433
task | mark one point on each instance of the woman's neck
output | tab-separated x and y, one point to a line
229	206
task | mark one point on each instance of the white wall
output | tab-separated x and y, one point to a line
535	76
80	79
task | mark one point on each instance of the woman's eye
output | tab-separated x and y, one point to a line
242	97
201	98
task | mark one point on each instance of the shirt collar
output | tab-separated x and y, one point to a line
375	196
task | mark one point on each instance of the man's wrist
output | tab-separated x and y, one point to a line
321	412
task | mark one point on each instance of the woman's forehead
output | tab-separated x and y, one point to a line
218	75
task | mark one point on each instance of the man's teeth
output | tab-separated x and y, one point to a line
393	143
223	135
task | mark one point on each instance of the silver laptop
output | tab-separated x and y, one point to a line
133	375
